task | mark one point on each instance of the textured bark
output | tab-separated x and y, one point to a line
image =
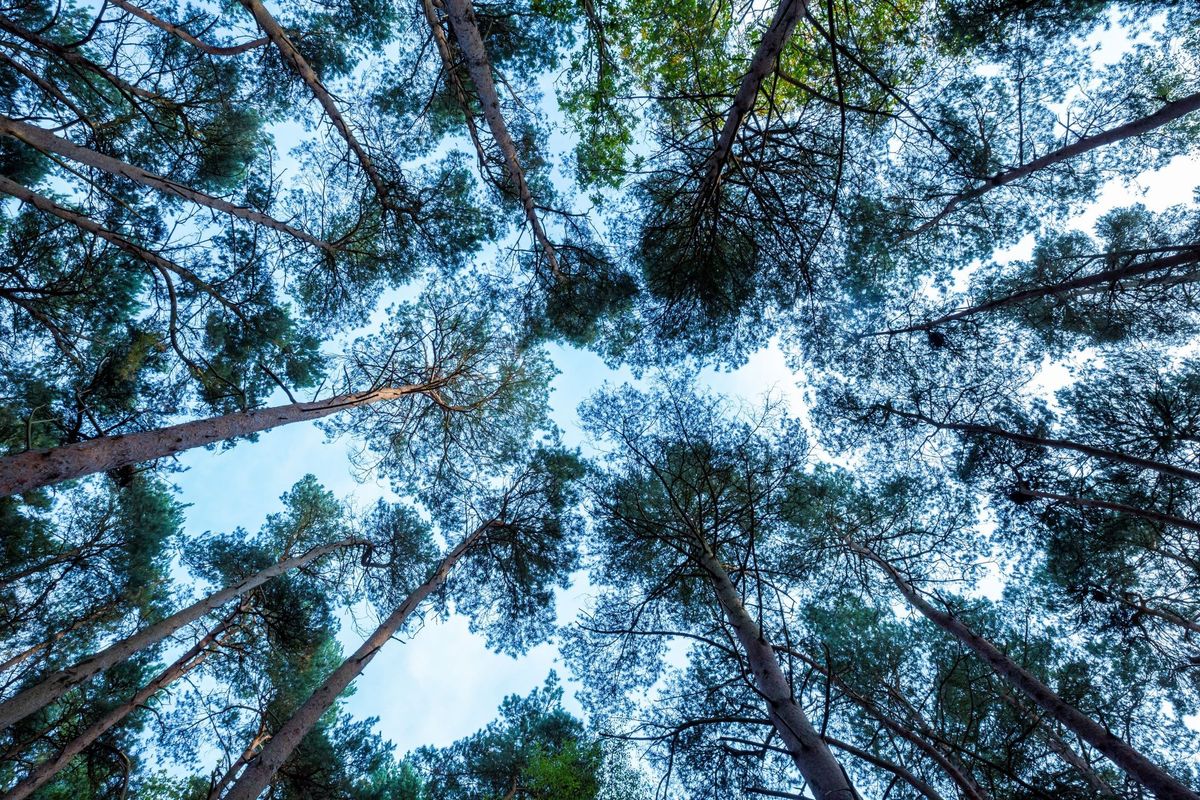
1155	779
291	55
45	141
1188	256
163	265
258	774
1138	127
180	33
59	683
191	659
466	32
35	468
826	778
1059	444
766	56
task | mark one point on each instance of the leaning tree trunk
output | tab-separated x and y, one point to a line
1138	127
279	748
808	750
1025	494
58	683
45	141
766	56
36	468
466	32
1158	781
187	662
1189	255
973	429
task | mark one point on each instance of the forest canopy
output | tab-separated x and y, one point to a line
953	554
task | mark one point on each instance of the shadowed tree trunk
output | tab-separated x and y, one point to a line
36	468
56	684
1155	779
826	778
466	32
187	662
45	141
1190	255
1168	113
263	767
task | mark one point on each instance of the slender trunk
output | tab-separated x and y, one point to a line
180	33
1059	444
292	56
466	32
1155	779
21	657
45	141
811	754
891	766
1063	750
1188	255
452	78
218	788
36	468
1025	494
58	683
163	265
258	774
766	56
1168	113
193	658
1165	614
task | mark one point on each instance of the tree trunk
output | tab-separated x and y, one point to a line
811	754
1157	780
193	658
1060	444
466	32
45	141
1188	255
180	33
58	683
36	468
45	644
258	774
291	55
1168	113
1120	508
766	56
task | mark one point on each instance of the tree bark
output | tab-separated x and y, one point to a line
466	32
766	56
1189	255
36	468
1155	779
191	659
809	751
58	683
1060	444
45	141
292	56
258	774
1168	113
180	33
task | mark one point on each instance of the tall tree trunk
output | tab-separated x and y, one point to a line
1041	441
35	468
808	750
1168	113
292	56
766	56
175	30
1024	494
45	141
191	659
1155	779
258	774
466	32
58	683
1188	255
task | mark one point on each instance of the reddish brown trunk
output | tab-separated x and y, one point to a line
36	468
258	774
